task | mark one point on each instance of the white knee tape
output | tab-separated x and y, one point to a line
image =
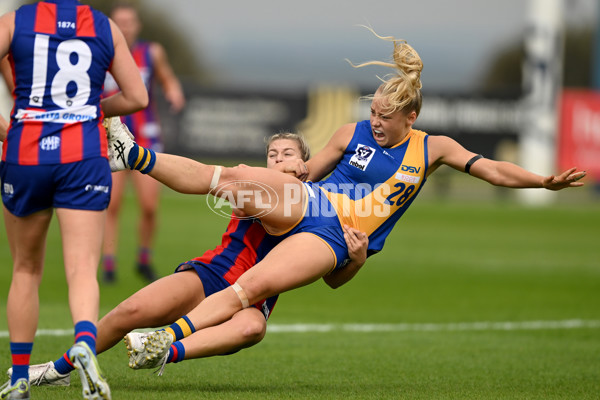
241	294
215	178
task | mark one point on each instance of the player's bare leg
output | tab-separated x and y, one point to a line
246	328
82	241
157	304
27	242
297	261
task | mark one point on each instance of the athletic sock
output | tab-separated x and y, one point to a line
63	365
85	331
141	158
108	263
176	353
144	256
21	353
181	328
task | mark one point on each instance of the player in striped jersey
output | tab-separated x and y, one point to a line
243	244
151	59
55	158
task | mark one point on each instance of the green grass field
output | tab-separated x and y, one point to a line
422	320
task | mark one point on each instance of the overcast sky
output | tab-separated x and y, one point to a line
275	43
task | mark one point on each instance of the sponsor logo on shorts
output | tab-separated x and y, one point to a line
8	189
265	309
97	188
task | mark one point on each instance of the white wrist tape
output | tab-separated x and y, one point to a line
215	178
241	294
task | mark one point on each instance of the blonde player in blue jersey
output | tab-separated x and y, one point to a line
377	168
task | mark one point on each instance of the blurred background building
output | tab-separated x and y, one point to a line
514	80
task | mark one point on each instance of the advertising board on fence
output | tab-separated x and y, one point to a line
232	125
579	132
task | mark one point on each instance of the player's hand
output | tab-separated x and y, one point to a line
239	213
296	168
569	178
176	100
357	243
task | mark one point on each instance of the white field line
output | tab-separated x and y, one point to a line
413	327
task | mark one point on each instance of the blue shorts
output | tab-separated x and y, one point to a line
82	185
321	220
212	279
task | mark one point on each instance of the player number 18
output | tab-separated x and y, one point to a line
73	58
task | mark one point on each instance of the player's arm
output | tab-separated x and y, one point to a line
295	168
166	78
6	72
133	95
325	160
7	28
357	242
3	128
444	150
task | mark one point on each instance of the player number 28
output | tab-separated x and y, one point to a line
399	197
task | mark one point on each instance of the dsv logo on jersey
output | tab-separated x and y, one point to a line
239	194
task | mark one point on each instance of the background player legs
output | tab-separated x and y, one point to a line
148	194
111	231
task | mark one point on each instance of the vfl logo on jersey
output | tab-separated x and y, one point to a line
362	157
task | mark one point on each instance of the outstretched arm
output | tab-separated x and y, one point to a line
357	242
444	150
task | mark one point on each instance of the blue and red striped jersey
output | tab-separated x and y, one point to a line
243	244
59	56
144	123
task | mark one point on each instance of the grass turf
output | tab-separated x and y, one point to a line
446	262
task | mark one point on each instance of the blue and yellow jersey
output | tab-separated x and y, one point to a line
372	187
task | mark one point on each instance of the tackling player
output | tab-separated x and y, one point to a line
243	244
